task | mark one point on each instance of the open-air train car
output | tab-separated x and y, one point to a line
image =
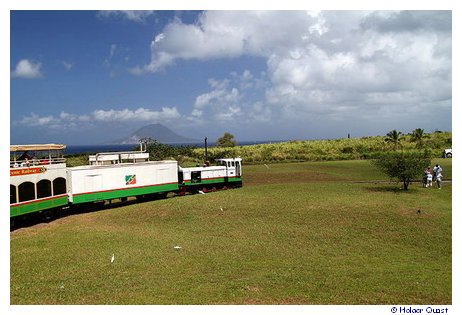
37	178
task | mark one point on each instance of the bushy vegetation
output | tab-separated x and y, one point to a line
403	166
160	151
227	140
298	151
329	150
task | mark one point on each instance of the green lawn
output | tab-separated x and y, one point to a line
300	233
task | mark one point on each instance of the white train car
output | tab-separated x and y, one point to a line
93	183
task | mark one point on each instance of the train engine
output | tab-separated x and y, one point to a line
228	173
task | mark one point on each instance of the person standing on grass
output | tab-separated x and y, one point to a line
437	170
429	177
439	179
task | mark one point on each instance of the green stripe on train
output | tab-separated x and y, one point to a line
205	181
113	194
39	205
235	179
214	181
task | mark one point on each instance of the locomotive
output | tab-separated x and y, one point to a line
40	179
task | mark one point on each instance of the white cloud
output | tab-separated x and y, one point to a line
131	15
27	69
229	34
140	114
231	100
68	120
222	103
319	62
321	66
67	65
35	120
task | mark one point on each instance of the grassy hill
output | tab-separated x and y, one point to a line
327	150
298	233
294	151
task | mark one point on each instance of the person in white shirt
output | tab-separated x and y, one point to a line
429	179
439	179
437	170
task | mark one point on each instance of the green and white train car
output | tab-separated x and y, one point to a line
92	183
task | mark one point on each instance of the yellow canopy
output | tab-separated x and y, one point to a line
37	147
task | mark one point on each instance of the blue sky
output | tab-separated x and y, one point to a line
90	77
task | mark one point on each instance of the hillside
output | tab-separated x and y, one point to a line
328	150
157	132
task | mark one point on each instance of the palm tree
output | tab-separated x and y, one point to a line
394	138
417	136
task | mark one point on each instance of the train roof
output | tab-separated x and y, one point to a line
202	168
37	147
120	165
230	159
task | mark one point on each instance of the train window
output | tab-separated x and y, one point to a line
195	177
13	194
232	163
43	188
26	191
59	186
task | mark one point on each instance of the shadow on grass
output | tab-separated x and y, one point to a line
48	216
391	189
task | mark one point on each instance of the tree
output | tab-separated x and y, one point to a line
160	151
418	136
394	138
227	140
403	166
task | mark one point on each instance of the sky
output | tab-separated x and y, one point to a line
91	77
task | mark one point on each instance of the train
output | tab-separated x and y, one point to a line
40	180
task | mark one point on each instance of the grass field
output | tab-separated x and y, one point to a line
299	233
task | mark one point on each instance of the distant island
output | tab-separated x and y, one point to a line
156	132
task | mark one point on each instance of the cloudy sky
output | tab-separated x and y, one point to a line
89	77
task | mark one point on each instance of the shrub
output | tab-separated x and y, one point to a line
404	166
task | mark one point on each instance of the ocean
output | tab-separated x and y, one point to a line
95	148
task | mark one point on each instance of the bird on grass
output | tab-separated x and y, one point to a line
112	258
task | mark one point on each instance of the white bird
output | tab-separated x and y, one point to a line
177	247
113	258
221	209
201	192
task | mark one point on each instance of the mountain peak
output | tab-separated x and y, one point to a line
156	132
